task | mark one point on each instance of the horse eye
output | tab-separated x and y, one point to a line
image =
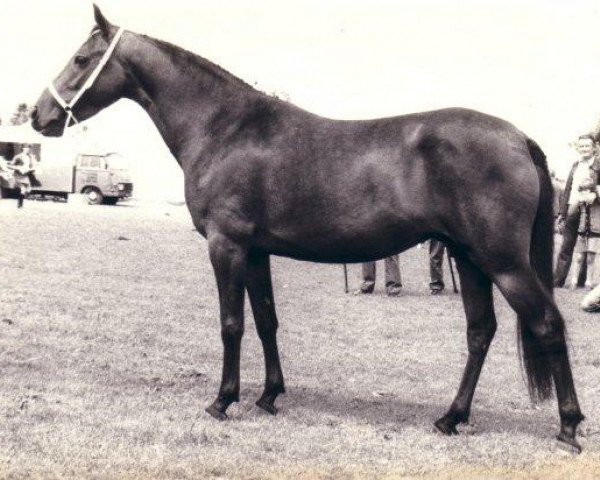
81	60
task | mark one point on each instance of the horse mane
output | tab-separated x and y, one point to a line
189	60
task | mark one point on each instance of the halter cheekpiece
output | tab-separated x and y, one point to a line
68	106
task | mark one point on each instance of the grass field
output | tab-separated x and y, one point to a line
110	350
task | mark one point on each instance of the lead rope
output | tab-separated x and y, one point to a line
68	106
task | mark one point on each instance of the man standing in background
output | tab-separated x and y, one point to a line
568	217
23	165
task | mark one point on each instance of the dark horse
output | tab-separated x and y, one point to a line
263	177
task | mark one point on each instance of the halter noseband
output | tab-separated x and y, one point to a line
68	106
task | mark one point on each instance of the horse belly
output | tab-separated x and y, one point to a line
340	217
340	240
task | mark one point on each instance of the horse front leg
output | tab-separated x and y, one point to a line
476	289
229	263
260	292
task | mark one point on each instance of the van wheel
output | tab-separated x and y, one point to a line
93	196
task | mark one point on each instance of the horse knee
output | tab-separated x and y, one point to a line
549	332
479	339
267	329
232	329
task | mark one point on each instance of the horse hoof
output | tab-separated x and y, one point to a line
216	413
442	426
570	447
267	407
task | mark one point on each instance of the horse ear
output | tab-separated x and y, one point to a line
103	24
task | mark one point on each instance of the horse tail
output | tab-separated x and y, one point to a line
542	237
541	253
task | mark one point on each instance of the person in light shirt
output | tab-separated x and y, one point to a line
569	213
588	234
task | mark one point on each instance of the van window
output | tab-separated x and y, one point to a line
116	161
90	161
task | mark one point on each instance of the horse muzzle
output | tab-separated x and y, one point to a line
47	118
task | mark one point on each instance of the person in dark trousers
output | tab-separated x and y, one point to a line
569	213
393	281
436	270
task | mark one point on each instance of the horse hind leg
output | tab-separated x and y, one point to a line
476	289
260	292
543	347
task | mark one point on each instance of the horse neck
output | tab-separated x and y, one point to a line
181	92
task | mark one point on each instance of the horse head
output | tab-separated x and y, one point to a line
92	80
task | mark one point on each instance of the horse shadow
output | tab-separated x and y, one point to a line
392	412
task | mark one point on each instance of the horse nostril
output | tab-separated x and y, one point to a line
34	113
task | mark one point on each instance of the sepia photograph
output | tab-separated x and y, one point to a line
300	239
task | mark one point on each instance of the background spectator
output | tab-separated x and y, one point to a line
393	281
568	219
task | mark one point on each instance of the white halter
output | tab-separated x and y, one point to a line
68	106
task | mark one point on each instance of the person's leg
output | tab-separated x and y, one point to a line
582	275
565	255
393	280
590	261
21	196
368	273
575	269
436	270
